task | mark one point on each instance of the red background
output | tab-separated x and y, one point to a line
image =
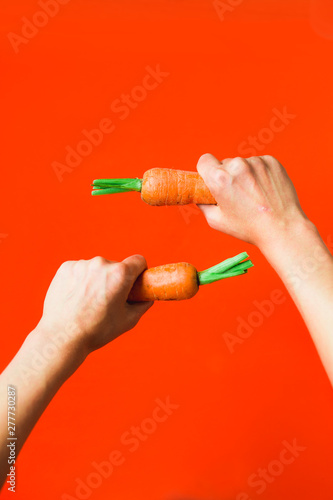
225	79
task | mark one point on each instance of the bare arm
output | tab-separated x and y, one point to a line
85	308
257	203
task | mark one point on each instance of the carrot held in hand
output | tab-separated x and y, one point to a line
181	281
161	186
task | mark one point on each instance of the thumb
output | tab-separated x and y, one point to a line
136	310
214	175
214	217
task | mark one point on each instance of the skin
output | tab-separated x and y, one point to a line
164	186
86	305
85	308
257	203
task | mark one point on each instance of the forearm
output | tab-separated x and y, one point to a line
85	308
305	265
36	379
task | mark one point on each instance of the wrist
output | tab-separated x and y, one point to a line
295	244
284	234
57	348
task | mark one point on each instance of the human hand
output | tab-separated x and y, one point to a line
87	302
257	201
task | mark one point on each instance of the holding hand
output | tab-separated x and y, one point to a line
85	308
256	199
89	298
257	203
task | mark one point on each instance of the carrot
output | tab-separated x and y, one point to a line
181	281
161	186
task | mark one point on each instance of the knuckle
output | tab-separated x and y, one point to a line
206	163
136	259
218	176
267	158
274	164
270	161
97	262
79	262
65	266
205	158
258	163
141	258
120	271
256	160
79	266
238	165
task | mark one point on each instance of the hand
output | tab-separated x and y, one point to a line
256	199
87	302
85	308
257	202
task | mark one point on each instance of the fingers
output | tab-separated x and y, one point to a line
207	160
214	174
123	274
267	170
265	162
136	310
217	175
259	168
135	265
206	166
213	216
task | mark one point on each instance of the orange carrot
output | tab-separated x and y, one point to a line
168	282
181	281
161	186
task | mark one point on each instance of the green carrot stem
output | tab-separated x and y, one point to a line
111	186
226	269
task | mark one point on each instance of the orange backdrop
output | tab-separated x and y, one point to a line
219	72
